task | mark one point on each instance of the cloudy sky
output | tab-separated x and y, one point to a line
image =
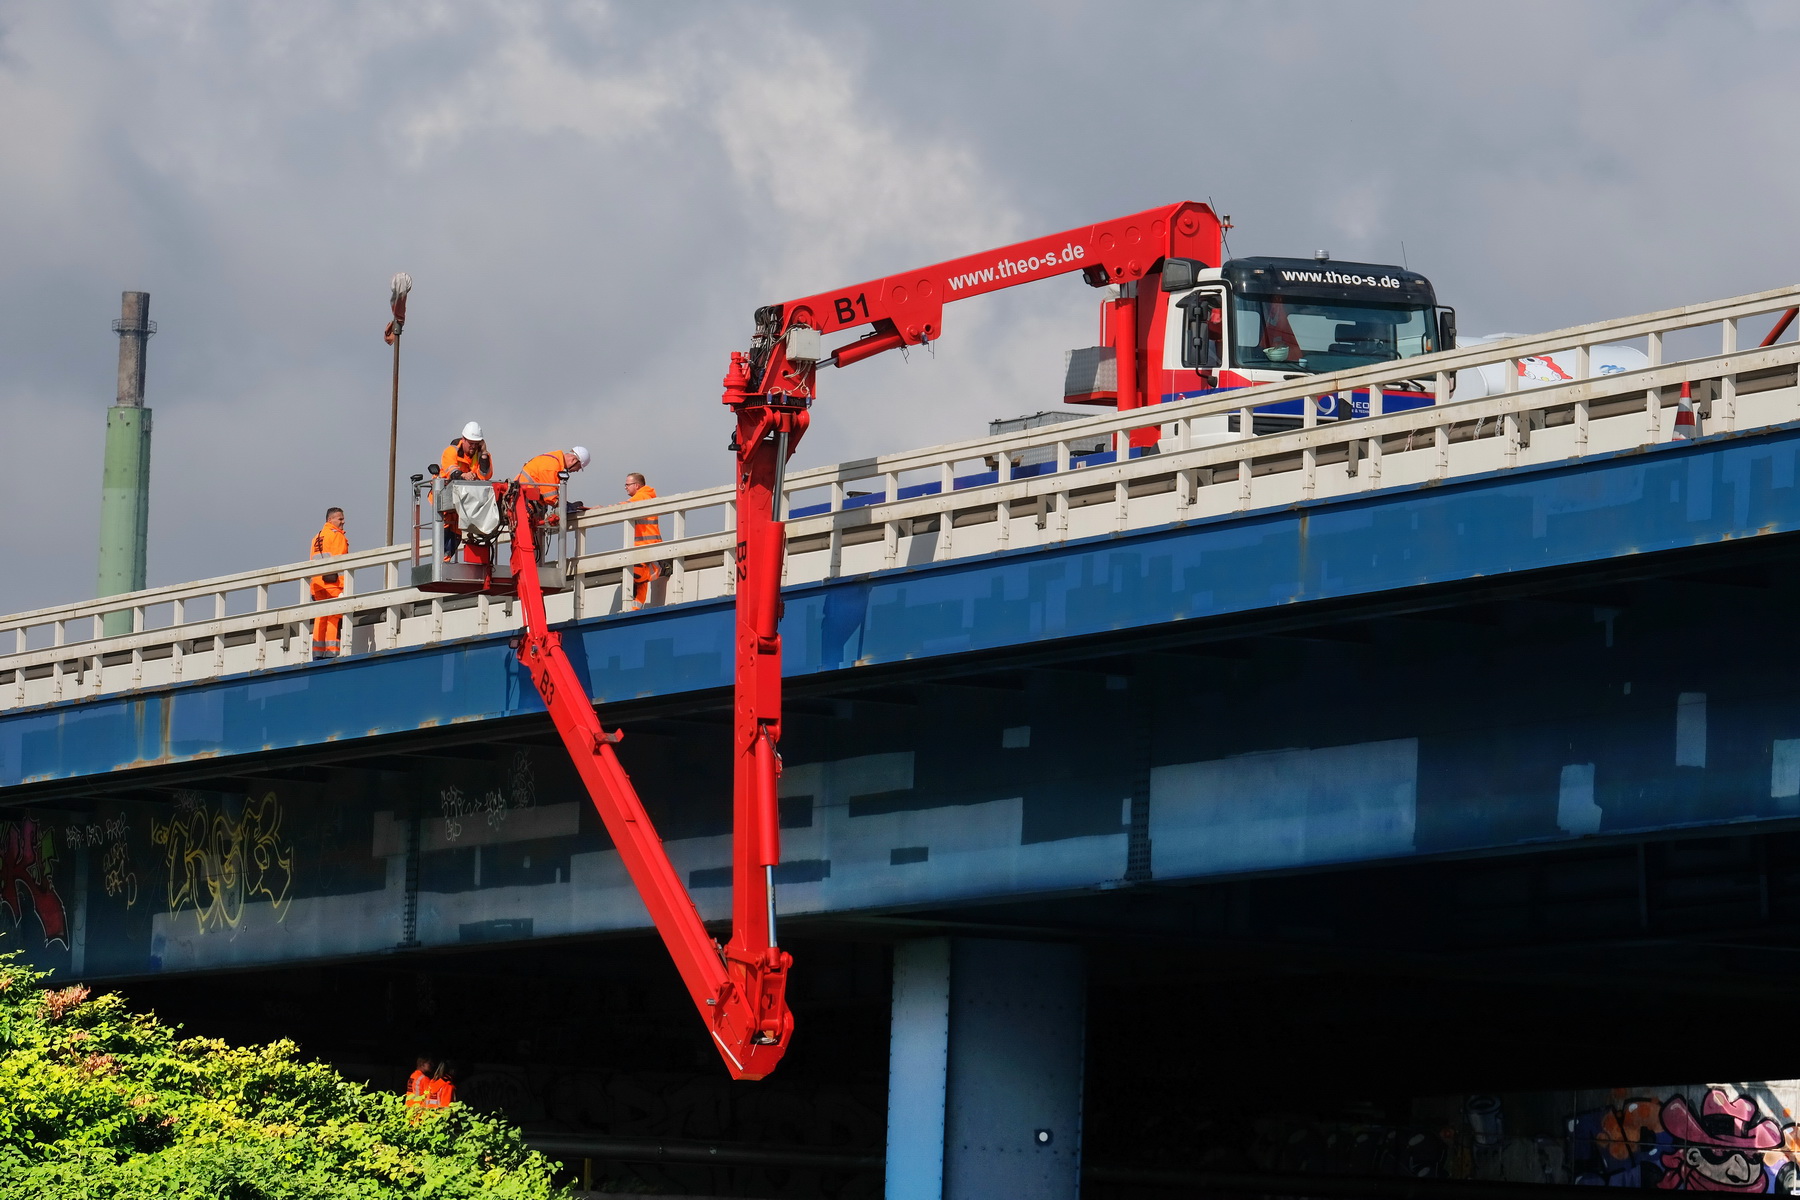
593	197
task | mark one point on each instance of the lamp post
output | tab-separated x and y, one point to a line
398	288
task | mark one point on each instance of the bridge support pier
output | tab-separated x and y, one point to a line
985	1070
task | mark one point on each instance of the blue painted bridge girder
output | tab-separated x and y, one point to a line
1661	498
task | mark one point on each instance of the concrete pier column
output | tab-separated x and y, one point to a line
985	1070
125	485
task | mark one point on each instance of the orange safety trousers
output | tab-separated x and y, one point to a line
326	629
329	543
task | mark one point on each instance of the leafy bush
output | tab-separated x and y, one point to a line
99	1102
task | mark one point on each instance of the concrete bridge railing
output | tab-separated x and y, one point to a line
971	499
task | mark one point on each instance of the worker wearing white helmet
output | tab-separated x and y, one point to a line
542	475
467	457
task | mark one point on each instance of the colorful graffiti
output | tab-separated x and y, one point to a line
1726	1143
28	878
218	863
1708	1138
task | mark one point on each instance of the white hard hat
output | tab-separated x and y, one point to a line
580	453
472	432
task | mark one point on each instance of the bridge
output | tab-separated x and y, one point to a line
1084	748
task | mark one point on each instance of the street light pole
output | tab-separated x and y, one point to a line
398	288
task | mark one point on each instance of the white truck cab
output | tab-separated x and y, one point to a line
1266	320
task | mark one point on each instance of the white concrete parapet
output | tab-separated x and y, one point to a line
933	505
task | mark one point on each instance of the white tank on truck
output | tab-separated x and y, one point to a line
1542	370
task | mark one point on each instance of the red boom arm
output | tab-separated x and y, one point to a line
908	309
769	392
741	990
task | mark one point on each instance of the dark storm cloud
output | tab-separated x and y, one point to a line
593	197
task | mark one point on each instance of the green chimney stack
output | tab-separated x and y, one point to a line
125	490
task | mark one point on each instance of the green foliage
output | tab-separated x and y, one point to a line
99	1102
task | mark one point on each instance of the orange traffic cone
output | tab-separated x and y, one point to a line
1685	424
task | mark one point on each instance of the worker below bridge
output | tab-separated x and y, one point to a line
645	531
330	542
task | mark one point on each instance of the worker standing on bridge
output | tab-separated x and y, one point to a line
645	531
329	543
465	458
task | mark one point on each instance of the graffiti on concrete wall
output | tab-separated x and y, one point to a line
519	790
217	863
1706	1138
1347	1147
28	879
117	875
1714	1141
112	839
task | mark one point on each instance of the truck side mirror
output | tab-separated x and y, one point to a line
1179	274
1196	350
1446	328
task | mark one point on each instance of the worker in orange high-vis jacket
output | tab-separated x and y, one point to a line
540	475
418	1084
442	1088
329	543
465	458
645	531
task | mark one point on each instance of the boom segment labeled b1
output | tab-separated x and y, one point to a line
907	309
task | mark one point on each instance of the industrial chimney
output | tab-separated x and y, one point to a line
125	489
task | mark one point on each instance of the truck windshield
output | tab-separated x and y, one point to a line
1278	333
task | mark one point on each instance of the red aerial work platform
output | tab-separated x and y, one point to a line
740	987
